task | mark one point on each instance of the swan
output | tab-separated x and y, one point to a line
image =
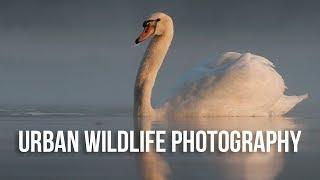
235	85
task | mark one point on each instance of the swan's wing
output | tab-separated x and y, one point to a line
237	84
206	68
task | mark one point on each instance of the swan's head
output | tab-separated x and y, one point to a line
156	25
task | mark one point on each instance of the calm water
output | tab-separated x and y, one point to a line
15	165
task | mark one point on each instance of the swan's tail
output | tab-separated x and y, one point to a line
286	103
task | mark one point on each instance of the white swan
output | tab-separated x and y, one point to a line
236	85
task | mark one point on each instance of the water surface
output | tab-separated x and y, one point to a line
273	165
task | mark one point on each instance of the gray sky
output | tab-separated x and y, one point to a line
80	52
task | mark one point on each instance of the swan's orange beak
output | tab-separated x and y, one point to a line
147	32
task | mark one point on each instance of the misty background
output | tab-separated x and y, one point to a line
81	52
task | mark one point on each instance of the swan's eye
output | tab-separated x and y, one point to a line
150	22
146	23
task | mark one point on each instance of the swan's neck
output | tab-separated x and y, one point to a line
147	73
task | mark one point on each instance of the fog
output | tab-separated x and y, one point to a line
67	52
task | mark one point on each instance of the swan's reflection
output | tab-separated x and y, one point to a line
224	165
152	165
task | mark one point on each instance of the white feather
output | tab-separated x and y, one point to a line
236	85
